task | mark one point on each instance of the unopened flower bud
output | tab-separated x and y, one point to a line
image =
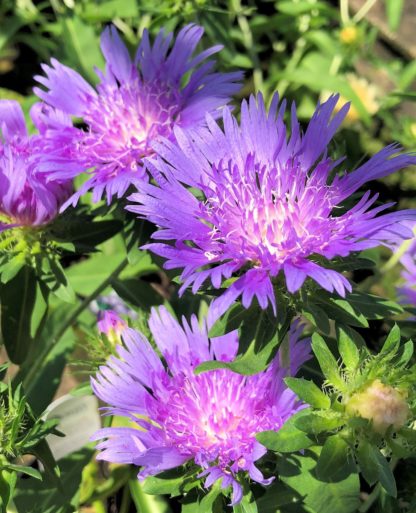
111	325
384	405
349	35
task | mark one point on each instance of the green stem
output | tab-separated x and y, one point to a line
294	60
143	502
374	495
370	500
249	44
40	357
345	16
361	14
125	500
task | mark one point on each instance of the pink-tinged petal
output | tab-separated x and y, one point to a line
65	89
225	347
157	459
12	120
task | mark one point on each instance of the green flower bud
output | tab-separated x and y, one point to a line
384	405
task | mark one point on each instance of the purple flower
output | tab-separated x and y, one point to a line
27	198
263	203
136	102
111	324
177	416
407	292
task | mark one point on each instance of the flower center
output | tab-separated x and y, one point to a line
217	413
260	215
122	121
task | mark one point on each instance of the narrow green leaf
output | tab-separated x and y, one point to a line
81	46
375	467
17	303
24	470
348	350
394	11
327	362
317	316
308	392
392	342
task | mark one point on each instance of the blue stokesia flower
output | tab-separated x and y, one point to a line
250	201
210	419
135	103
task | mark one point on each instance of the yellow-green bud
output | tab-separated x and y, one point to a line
384	405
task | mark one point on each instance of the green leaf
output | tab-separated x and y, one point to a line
247	504
81	47
170	482
315	423
394	11
308	392
287	439
375	467
373	307
348	350
42	370
406	354
392	343
230	321
342	310
53	276
298	472
317	316
277	495
7	485
146	503
333	456
260	335
137	292
17	304
29	471
327	362
107	10
39	497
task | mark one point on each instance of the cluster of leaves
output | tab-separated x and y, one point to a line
21	433
352	438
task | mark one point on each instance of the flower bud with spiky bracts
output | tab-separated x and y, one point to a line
383	405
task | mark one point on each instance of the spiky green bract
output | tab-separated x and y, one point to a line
20	433
365	412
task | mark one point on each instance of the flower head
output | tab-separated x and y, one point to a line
264	203
27	198
111	324
211	418
136	102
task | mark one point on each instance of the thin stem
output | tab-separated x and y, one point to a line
345	16
361	13
370	500
41	356
249	44
143	502
294	60
125	500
